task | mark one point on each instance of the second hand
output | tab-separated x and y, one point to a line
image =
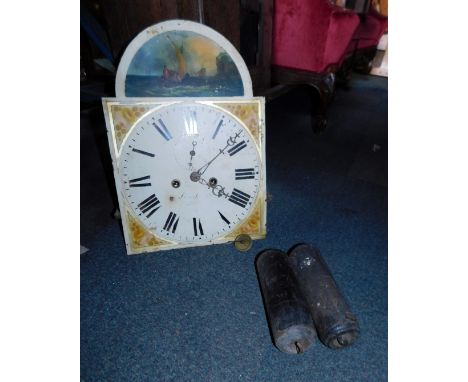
192	153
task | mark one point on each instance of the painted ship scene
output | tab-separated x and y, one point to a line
182	64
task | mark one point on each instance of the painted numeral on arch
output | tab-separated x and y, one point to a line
162	129
150	205
200	228
171	222
235	149
240	198
245	173
138	182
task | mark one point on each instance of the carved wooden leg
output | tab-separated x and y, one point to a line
363	60
323	83
343	75
326	89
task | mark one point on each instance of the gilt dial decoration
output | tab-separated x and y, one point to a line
190	172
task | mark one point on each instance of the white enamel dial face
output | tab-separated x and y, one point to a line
190	172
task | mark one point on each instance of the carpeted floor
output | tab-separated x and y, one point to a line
197	314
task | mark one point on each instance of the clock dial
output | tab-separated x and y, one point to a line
190	172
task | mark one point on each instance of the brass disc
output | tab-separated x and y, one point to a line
243	242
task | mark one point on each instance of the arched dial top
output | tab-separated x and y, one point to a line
190	172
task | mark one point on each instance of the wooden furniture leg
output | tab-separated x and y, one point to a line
324	84
326	89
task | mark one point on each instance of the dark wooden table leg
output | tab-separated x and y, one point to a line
324	83
326	89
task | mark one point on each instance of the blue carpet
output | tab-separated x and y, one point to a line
197	314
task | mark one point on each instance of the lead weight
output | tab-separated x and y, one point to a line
290	322
336	325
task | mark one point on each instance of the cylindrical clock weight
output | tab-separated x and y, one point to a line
290	322
336	325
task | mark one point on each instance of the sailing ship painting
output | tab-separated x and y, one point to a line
182	64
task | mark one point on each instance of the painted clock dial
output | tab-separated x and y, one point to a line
190	172
180	58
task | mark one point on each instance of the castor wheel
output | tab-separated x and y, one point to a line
321	125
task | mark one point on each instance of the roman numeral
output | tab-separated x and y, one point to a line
224	218
235	149
163	130
142	152
245	173
217	129
191	125
149	204
240	198
137	182
171	222
200	228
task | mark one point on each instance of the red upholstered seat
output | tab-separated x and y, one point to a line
311	35
370	30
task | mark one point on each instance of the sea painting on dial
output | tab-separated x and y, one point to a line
182	64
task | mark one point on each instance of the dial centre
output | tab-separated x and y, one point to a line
195	176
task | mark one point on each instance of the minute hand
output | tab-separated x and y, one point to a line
231	141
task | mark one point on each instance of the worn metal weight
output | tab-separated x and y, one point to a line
336	325
289	319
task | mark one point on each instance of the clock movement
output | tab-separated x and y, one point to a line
188	172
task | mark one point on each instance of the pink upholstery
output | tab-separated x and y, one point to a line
311	35
370	30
